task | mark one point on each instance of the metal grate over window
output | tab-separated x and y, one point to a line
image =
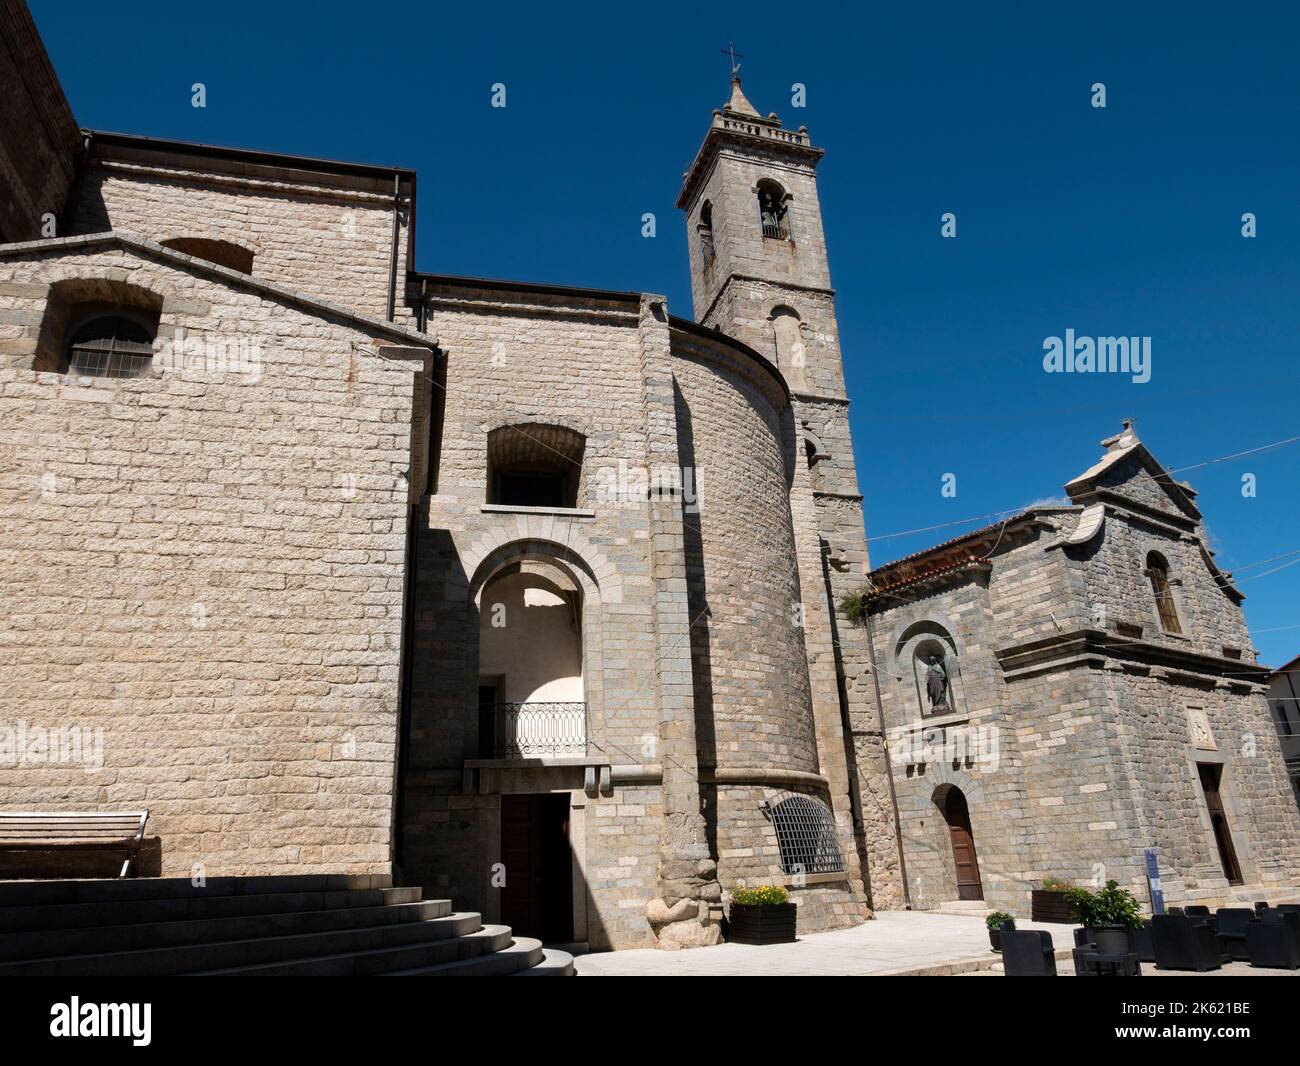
110	347
805	833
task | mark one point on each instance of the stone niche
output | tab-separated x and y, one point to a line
930	669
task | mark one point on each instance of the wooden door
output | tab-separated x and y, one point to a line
957	815
519	894
537	899
1210	778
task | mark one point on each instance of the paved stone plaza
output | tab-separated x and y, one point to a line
897	942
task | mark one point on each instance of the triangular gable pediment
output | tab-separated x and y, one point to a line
139	246
1133	473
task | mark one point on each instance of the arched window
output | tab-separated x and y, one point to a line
531	695
534	465
97	327
1158	573
774	210
705	230
788	333
805	833
223	253
116	344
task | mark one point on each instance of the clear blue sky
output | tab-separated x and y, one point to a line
1111	222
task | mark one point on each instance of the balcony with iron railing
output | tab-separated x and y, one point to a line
531	730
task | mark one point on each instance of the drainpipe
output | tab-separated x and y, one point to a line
889	769
392	270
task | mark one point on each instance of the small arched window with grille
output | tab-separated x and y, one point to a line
805	833
774	210
112	345
1158	574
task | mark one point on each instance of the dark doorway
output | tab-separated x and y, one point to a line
537	899
1211	776
957	815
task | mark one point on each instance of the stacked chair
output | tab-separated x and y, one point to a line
1183	943
1273	939
1091	960
1027	952
1230	926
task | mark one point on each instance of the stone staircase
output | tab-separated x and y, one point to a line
970	907
282	926
1247	895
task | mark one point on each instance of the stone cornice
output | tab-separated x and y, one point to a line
1097	648
755	280
749	134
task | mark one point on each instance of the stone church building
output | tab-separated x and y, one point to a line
532	595
1072	686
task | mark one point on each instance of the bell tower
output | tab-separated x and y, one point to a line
758	254
759	273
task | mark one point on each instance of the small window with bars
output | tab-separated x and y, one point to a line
110	346
805	833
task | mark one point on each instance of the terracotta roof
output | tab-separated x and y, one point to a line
1285	667
910	569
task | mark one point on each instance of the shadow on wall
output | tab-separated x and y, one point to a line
697	601
22	864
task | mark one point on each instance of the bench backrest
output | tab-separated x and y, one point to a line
53	828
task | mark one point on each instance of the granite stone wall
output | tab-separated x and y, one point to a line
326	234
203	566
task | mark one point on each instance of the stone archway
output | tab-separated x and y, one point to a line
557	574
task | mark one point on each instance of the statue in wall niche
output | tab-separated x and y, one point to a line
936	685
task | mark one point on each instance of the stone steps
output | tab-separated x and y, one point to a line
256	926
44	893
484	940
140	935
969	907
519	955
180	908
555	963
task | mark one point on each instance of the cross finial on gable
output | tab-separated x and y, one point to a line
1125	438
730	50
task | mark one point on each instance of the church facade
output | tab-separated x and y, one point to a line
533	595
1072	687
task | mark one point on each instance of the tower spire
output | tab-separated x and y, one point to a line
737	105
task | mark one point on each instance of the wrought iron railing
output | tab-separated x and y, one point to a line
776	230
533	729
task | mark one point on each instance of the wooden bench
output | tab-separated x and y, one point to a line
74	829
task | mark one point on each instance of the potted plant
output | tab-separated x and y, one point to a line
761	915
1051	903
995	922
1111	914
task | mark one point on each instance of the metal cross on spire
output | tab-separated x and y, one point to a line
730	50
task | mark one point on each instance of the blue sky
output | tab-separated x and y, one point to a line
1119	221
